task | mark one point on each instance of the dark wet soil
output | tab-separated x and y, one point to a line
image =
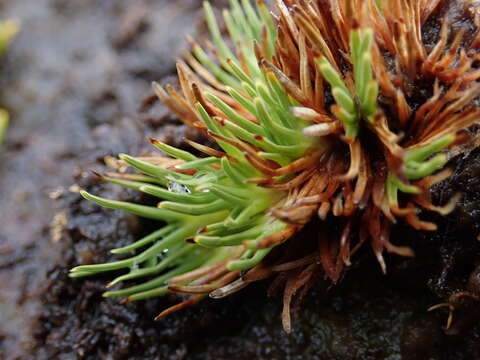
74	82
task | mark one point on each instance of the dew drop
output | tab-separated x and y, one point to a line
177	188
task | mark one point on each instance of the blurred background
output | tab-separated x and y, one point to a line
76	82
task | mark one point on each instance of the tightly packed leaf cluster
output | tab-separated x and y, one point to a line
315	114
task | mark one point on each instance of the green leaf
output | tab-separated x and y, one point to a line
140	210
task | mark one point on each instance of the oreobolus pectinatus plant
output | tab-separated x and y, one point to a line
337	110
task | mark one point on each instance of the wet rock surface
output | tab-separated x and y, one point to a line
74	82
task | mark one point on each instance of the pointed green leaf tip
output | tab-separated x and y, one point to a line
149	212
362	103
419	162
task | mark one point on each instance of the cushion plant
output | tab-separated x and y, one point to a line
336	110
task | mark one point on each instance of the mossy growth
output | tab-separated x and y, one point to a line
314	114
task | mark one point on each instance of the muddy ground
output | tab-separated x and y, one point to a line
74	81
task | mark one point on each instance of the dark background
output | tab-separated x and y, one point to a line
74	81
